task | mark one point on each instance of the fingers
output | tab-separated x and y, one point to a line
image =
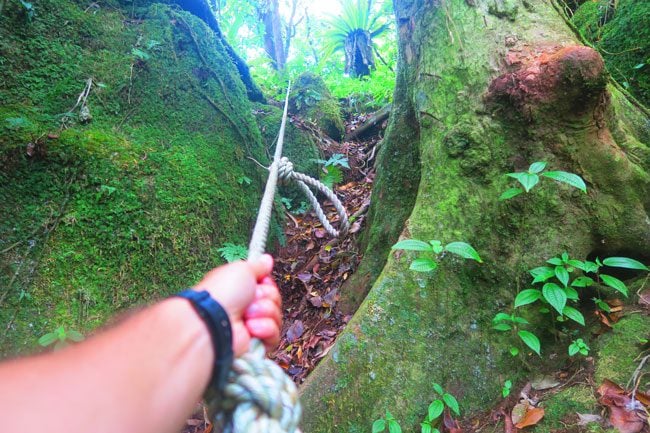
268	291
264	308
266	329
262	267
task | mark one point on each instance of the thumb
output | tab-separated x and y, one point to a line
262	266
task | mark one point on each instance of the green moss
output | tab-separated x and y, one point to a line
311	100
561	408
619	349
133	205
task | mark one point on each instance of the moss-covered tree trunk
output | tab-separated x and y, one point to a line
485	87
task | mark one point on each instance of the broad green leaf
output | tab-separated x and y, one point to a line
530	340
514	351
423	264
562	274
582	282
541	274
389	415
393	426
574	315
75	336
437	388
378	426
510	193
555	296
497	318
590	267
412	245
452	403
638	66
464	250
576	263
573	349
555	261
435	409
527	296
48	339
437	246
536	167
426	427
565	257
502	327
624	262
518	319
527	180
614	283
569	178
602	305
572	293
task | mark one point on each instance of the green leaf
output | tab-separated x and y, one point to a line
602	305
569	178
530	340
435	409
573	349
437	246
574	315
497	318
541	274
590	267
639	66
518	319
452	403
562	274
423	264
555	296
514	351
527	180
624	262
412	245
565	257
582	282
614	283
75	336
510	193
48	339
571	293
536	167
437	388
555	261
576	263
464	250
502	327
394	427
527	296
426	427
379	426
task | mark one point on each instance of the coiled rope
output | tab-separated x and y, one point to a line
259	396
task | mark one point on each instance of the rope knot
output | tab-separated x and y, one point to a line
285	169
259	397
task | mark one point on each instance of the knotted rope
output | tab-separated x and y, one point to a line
259	396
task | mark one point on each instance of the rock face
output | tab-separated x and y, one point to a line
481	91
133	204
311	100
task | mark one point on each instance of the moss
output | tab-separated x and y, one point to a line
311	100
618	350
621	36
561	408
504	9
133	205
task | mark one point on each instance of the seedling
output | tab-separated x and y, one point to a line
507	387
578	346
389	421
436	409
529	178
60	338
427	264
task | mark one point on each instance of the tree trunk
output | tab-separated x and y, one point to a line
273	42
484	87
359	60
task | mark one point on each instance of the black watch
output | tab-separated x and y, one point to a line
218	323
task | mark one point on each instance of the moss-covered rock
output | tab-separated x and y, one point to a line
618	351
311	100
561	409
132	205
621	34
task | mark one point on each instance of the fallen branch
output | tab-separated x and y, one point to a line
371	124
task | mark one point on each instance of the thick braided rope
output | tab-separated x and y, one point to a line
259	397
287	173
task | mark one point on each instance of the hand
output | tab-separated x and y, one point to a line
250	297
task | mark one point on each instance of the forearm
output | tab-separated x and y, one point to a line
145	374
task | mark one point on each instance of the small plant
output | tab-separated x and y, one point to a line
333	173
528	179
510	323
426	264
233	252
507	387
244	180
389	421
436	409
301	209
60	338
578	346
287	202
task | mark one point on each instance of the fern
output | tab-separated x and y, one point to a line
233	252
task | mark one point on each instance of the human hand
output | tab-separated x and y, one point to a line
250	297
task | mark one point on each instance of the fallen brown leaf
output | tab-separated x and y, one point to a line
533	416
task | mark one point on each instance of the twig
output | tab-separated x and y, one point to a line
636	376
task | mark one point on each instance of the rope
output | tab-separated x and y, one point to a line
259	396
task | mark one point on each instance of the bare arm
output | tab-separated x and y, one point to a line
145	374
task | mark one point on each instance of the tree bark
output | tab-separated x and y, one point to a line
373	122
483	88
273	42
